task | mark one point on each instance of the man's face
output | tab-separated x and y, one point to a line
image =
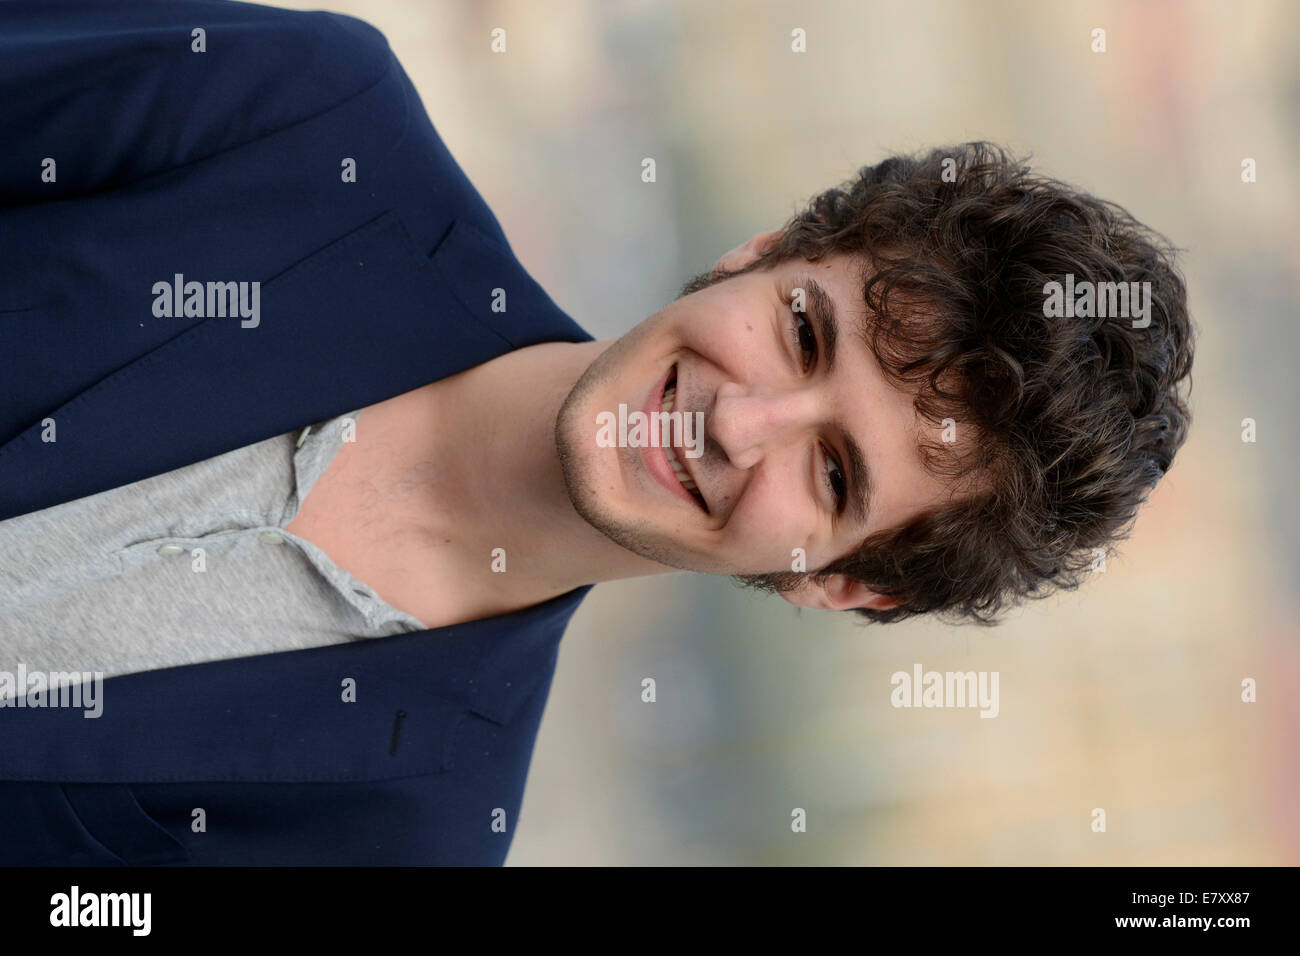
805	444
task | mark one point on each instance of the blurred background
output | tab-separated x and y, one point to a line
1125	695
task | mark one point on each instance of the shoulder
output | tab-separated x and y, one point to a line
349	48
326	57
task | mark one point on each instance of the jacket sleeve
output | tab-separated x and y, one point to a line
113	92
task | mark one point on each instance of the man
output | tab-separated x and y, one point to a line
296	454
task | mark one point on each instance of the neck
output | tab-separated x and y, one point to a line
479	448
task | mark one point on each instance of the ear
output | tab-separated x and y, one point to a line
746	253
839	593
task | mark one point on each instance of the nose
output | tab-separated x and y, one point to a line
748	422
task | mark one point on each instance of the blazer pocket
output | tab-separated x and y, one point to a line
114	819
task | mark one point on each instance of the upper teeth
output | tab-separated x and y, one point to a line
670	396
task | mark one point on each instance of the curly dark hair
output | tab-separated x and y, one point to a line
1074	419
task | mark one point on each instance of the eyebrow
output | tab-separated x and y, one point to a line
822	310
826	319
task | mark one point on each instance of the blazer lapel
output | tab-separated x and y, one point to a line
366	318
285	717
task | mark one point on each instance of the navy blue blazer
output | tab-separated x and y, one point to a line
226	165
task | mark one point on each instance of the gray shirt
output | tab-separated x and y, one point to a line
188	566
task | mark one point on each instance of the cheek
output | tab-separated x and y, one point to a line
767	525
727	327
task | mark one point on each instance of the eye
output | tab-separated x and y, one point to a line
805	340
835	480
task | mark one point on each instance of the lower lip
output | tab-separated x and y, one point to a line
656	461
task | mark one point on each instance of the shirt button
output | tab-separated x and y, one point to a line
171	549
270	537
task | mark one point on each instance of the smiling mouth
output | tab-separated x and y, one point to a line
680	471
